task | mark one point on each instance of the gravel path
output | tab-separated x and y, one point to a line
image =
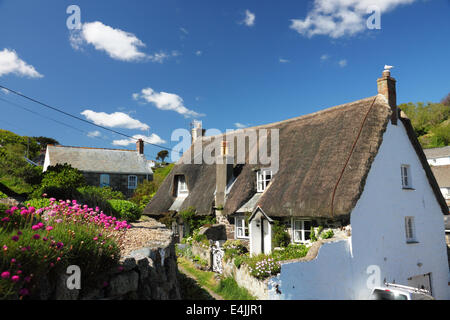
149	232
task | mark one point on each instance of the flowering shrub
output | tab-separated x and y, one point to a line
233	248
263	266
42	242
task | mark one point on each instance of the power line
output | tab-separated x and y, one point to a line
78	118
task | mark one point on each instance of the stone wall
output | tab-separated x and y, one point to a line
257	288
204	253
149	273
116	181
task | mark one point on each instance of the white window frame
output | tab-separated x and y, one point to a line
241	228
406	176
103	178
261	179
182	188
302	231
410	230
130	180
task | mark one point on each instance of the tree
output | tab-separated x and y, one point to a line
446	100
162	155
44	141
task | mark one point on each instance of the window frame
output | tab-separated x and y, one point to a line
410	230
102	176
261	179
244	228
405	170
302	230
135	184
184	190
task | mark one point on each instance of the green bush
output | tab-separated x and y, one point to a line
292	251
3	207
126	210
234	249
3	196
60	182
93	197
230	290
327	235
38	203
263	266
281	237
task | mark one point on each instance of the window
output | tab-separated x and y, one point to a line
104	180
181	185
263	178
241	227
406	176
301	230
132	182
410	229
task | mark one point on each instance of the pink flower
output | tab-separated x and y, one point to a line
13	260
15	238
5	274
49	228
15	278
24	292
95	238
27	279
36	236
36	227
5	219
31	209
5	248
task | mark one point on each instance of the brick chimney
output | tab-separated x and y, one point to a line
224	172
140	146
386	87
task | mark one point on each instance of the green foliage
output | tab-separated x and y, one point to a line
60	182
327	234
184	251
3	207
230	290
167	220
3	196
195	222
44	141
430	122
38	203
234	249
162	155
280	236
126	210
313	235
263	266
202	262
146	190
292	251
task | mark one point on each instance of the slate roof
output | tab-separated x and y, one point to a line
442	175
437	152
99	160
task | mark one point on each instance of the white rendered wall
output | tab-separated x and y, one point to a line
378	235
439	161
46	161
255	235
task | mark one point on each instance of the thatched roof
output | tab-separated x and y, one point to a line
324	159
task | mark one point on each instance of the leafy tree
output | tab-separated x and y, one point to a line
446	100
44	141
162	155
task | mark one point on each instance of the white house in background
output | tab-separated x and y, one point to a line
356	168
438	156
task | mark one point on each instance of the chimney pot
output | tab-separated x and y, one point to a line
386	87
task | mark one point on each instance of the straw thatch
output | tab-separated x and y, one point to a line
324	159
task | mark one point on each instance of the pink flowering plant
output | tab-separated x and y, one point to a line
37	243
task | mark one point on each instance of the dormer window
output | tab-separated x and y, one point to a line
263	178
406	176
181	186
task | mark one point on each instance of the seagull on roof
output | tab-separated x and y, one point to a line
386	67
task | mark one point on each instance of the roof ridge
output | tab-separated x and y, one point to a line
90	148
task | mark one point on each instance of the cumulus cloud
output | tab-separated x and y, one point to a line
342	63
283	60
118	44
93	134
240	125
165	101
11	63
341	17
249	19
153	139
114	120
324	57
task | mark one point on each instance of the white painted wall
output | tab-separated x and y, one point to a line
378	234
439	161
255	235
46	161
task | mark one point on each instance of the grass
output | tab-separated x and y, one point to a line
227	288
16	184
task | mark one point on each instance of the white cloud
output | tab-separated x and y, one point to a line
166	101
339	18
11	63
342	63
153	139
283	60
184	30
240	125
249	19
93	134
324	57
113	120
4	91
198	53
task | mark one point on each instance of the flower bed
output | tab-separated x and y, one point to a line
42	243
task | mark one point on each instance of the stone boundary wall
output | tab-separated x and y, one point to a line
257	288
203	253
149	273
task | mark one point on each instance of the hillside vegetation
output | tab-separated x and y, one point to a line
431	122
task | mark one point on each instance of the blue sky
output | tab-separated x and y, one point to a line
149	67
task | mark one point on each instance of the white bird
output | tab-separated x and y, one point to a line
386	67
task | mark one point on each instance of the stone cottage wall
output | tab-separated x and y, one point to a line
116	181
149	273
